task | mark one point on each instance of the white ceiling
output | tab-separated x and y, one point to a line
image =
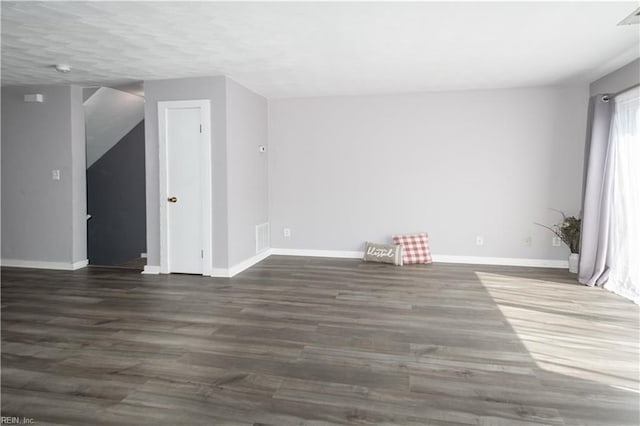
317	49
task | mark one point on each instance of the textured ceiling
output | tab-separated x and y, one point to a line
316	49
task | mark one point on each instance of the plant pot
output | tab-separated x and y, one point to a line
573	263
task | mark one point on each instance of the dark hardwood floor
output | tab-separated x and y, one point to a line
303	341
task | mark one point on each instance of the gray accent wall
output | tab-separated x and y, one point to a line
239	170
618	80
344	170
87	92
109	115
116	202
247	169
43	220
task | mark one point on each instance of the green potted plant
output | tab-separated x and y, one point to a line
569	233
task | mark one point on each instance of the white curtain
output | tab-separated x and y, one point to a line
623	255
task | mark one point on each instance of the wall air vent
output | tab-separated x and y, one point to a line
262	237
632	19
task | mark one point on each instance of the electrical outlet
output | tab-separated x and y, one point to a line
286	232
55	174
556	241
527	241
479	240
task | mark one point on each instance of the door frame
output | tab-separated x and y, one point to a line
205	154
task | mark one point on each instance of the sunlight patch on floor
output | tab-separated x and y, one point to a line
583	333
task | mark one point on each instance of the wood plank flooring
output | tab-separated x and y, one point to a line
304	341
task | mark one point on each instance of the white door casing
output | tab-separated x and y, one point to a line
185	173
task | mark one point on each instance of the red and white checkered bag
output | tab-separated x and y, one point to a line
415	248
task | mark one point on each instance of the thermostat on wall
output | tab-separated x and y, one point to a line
36	97
262	148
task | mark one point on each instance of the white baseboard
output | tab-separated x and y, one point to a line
79	265
221	272
502	261
239	267
318	253
472	260
151	270
62	266
246	264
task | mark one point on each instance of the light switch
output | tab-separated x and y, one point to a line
55	174
36	97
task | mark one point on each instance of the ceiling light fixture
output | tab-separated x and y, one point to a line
63	68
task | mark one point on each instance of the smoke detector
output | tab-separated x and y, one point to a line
64	68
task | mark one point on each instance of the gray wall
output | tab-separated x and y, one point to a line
43	220
214	89
78	182
618	80
239	171
116	201
456	164
247	169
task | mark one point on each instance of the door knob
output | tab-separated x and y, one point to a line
172	199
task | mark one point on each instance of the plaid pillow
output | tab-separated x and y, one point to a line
415	248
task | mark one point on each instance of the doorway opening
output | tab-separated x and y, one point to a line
116	193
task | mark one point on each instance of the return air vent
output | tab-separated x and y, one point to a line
262	237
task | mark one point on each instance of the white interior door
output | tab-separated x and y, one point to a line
185	195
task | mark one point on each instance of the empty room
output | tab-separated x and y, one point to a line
320	213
